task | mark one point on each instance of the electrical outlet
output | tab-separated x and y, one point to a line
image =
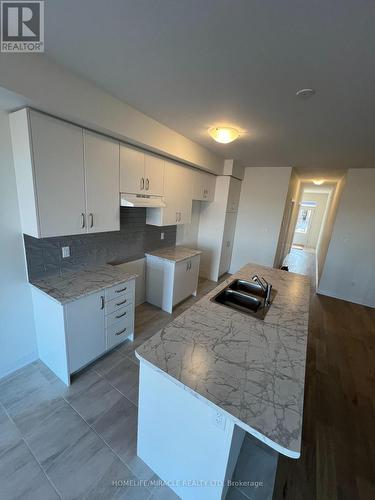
65	252
162	236
219	420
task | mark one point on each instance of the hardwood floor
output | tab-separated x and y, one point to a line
338	453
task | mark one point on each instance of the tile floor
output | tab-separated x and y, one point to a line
73	442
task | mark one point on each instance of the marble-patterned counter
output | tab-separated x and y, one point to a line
253	370
71	286
175	254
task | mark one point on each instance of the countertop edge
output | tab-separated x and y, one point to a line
264	439
82	295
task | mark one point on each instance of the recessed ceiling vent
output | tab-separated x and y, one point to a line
305	93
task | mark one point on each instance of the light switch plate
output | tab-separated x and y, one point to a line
65	252
162	236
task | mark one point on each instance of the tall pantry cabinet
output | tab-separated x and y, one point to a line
217	225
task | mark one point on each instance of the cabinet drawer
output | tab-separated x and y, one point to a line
119	331
119	314
118	303
118	290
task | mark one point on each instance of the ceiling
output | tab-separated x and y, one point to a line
192	64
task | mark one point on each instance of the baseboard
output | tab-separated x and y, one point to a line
336	296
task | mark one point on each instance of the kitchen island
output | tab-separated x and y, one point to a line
214	374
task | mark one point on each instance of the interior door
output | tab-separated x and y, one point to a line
154	175
132	171
59	175
102	183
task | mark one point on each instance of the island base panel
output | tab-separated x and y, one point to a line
188	443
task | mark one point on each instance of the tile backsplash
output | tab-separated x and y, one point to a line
44	256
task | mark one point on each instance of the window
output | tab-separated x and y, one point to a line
304	216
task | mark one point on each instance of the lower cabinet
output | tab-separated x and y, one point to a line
168	283
72	335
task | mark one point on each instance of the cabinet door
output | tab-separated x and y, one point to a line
198	187
59	175
132	171
209	187
181	288
233	195
154	175
85	329
102	183
185	192
172	193
228	239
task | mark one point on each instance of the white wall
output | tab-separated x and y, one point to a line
187	234
49	87
260	213
349	270
17	334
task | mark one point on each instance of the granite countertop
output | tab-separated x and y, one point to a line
71	286
175	254
252	369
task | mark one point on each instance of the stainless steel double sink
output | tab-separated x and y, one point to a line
247	297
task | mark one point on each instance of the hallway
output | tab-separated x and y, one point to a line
301	261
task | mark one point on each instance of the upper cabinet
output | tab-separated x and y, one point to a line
141	173
65	185
203	186
178	186
233	195
102	183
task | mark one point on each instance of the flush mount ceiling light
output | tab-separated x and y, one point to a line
318	182
224	134
305	93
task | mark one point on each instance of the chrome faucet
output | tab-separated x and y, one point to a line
266	287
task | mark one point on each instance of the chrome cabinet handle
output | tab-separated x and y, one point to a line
122	331
187	265
121	315
147	184
121	290
91	220
102	302
83	220
121	303
142	183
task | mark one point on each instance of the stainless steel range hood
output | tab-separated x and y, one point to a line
141	200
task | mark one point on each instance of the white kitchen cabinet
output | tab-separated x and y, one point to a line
178	186
233	195
84	325
228	239
48	158
169	282
132	168
203	186
71	335
154	175
141	173
102	183
64	186
217	223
